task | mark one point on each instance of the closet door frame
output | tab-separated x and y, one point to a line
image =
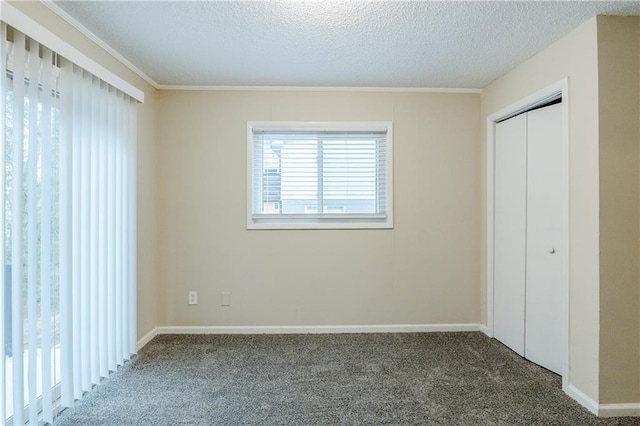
556	90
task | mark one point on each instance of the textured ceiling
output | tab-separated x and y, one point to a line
437	44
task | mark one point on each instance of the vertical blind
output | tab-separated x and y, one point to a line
68	216
319	173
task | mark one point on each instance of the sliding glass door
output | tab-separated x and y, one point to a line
68	219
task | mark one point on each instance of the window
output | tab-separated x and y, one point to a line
319	175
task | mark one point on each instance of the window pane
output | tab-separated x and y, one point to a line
32	151
299	168
330	175
349	176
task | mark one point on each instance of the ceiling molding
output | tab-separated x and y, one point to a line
318	89
97	40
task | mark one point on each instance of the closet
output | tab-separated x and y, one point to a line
528	228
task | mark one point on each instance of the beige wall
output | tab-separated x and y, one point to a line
147	222
619	109
147	158
575	57
425	271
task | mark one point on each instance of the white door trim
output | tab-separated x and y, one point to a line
539	98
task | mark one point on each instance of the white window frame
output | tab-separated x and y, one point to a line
306	221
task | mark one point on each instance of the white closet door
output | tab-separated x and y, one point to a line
544	296
509	231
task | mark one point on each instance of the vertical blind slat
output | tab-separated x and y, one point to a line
66	237
94	217
102	237
76	237
17	228
3	282
118	262
31	222
132	234
124	337
85	236
126	236
46	100
111	243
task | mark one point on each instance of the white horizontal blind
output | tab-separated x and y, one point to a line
68	215
319	173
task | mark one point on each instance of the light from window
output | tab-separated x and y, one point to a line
319	175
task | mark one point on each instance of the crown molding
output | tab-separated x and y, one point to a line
97	40
319	89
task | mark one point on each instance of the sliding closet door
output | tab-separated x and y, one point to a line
509	231
544	296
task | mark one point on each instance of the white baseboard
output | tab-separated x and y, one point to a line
147	338
320	329
619	410
484	329
581	398
603	410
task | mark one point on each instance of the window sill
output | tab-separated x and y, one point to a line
357	221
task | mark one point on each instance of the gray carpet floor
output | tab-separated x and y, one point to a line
421	378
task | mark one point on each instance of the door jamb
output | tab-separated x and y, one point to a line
541	97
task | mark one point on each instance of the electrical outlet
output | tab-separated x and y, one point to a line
226	298
193	297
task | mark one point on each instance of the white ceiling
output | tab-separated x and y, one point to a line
437	44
